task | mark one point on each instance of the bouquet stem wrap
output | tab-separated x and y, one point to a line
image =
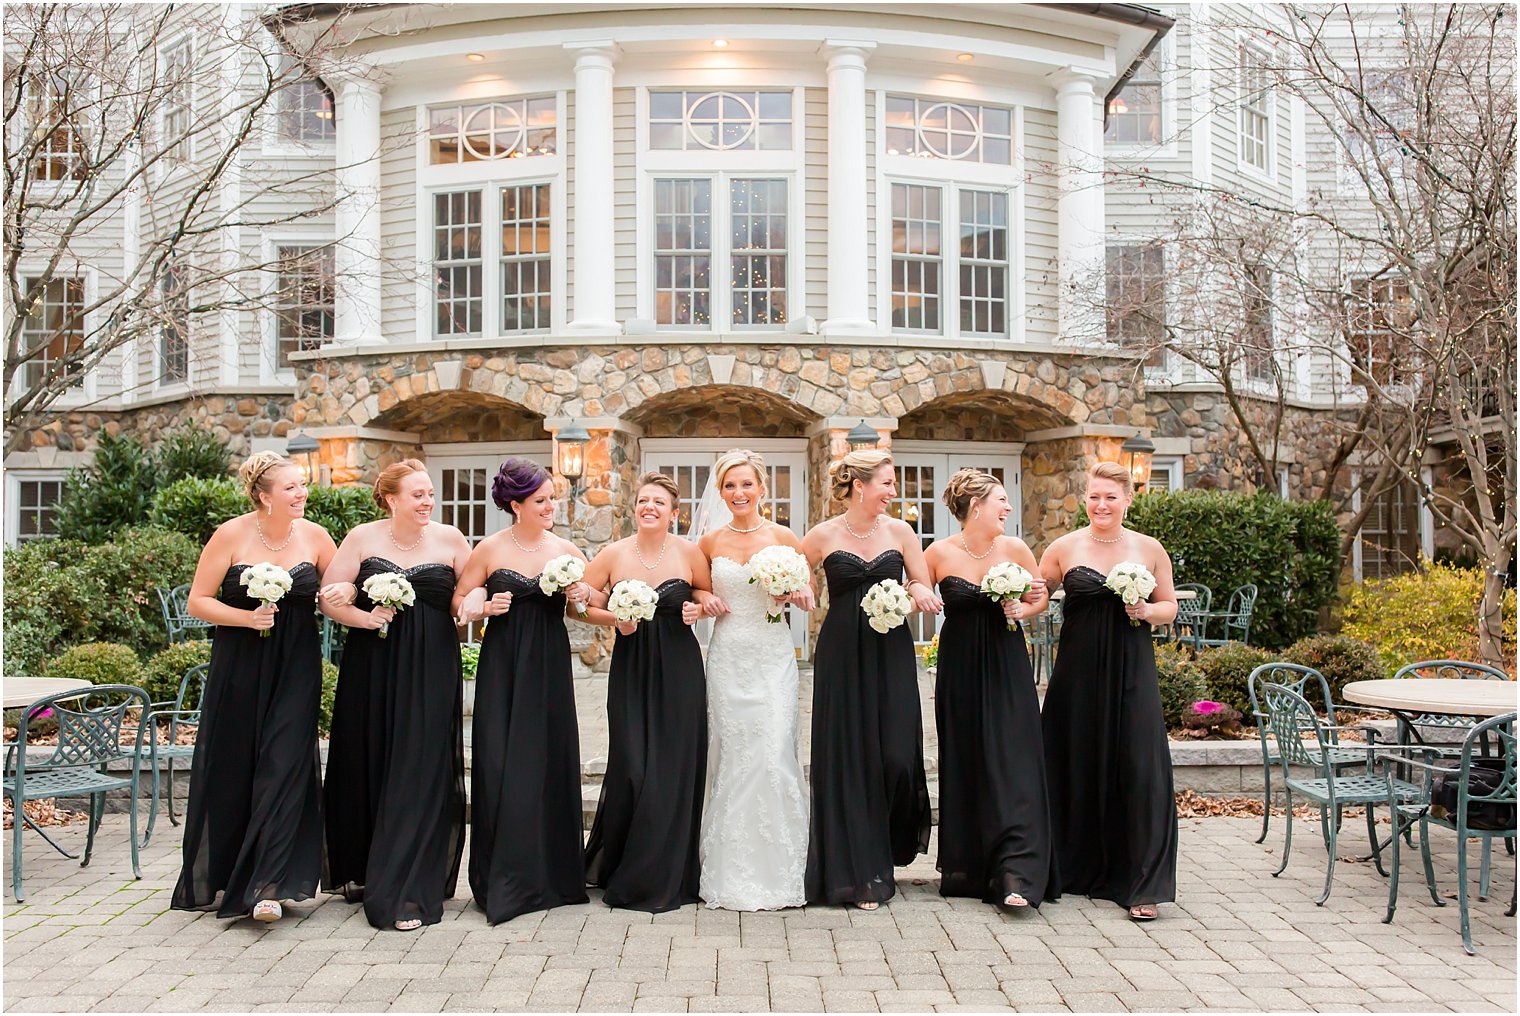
267	583
1007	581
1133	582
389	589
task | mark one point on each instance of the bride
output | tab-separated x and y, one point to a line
755	827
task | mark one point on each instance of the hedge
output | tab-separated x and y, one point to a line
1430	614
163	673
196	505
1227	669
99	663
1182	682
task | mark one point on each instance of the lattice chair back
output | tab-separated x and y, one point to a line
1502	728
1292	676
1288	718
1192	614
1203	602
1242	606
90	725
1450	670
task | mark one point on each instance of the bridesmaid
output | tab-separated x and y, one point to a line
1113	817
870	800
525	781
395	762
994	822
253	825
643	845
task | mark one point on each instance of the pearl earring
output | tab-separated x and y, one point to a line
270	510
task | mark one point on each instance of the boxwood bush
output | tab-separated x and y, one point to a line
98	663
1341	658
1227	669
196	505
164	671
1182	682
339	509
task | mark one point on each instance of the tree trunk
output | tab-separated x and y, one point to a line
1491	613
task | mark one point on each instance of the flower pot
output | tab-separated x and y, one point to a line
469	698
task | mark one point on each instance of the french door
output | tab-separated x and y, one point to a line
689	462
923	470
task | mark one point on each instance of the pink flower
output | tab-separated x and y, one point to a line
1205	707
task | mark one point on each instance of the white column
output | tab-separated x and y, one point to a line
594	310
356	258
1079	211
848	306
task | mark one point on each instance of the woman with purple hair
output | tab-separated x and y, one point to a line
525	781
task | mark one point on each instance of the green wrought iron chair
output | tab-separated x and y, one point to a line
178	622
185	712
1487	812
1192	615
1408	732
1236	617
1289	718
1043	641
89	740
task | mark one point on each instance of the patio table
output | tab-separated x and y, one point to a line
1435	695
23	691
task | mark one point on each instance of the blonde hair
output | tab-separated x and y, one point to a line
253	474
1112	471
735	457
665	483
966	487
858	465
388	483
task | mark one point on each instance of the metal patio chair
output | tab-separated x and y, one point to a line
184	711
178	622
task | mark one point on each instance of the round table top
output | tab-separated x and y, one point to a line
23	691
1435	695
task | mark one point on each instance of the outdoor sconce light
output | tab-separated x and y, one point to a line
862	437
302	449
570	454
1138	452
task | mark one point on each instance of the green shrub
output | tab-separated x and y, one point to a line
1341	658
469	661
329	690
1424	615
114	492
1182	682
196	505
192	452
164	671
99	663
1290	550
1227	669
339	509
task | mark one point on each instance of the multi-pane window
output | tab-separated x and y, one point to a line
464	501
1255	110
458	263
757	245
305	109
54	100
720	121
691	480
503	129
174	327
1257	343
1134	115
53	328
1135	276
1378	312
1390	536
916	253
933	129
525	285
984	262
303	301
683	215
177	103
37	508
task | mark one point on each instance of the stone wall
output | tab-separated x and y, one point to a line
234	419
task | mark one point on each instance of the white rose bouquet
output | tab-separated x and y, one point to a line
389	589
1007	581
266	583
632	600
560	574
1133	582
886	605
780	571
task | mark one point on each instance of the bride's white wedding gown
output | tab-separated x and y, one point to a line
755	825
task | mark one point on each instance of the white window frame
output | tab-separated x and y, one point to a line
952	176
487	455
1274	353
160	382
14	478
1269	171
85	391
1424	521
1166	72
1166	285
277	141
165	159
25	124
721	167
489	177
1171	469
269	352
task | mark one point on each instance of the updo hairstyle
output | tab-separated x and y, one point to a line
517	480
965	488
388	483
858	465
1113	471
739	457
254	474
665	483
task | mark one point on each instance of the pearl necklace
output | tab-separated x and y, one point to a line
512	533
288	536
753	529
405	550
1098	539
845	518
978	557
640	554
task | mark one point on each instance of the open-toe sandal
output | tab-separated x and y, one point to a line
1142	912
866	905
411	924
1015	900
267	911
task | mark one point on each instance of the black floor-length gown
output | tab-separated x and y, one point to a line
870	799
525	777
994	820
395	762
643	845
253	825
1108	767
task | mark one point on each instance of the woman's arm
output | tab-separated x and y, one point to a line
803	599
1033	602
345	568
1161	608
919	579
599	578
210	570
1050	565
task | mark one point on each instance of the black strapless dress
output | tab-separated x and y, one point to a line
1109	769
643	844
994	820
395	760
253	825
525	778
870	799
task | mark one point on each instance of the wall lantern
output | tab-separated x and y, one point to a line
1138	453
862	437
570	454
303	449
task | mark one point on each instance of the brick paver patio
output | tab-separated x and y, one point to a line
1238	940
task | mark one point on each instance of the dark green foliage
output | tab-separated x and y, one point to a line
1341	658
329	690
163	673
112	493
339	509
98	663
1290	550
1227	669
191	451
196	505
1182	682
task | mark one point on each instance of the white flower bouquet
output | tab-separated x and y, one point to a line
267	583
1133	582
560	574
886	605
780	571
632	600
1007	581
389	589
